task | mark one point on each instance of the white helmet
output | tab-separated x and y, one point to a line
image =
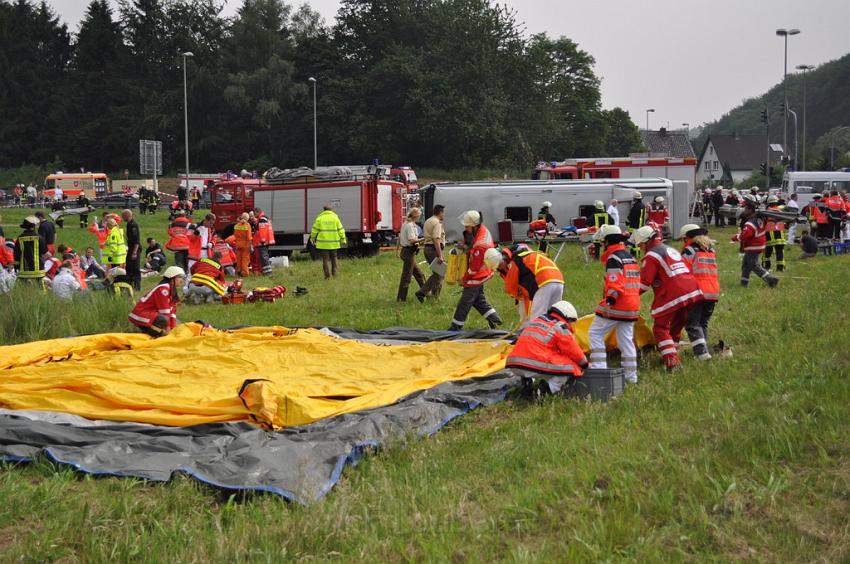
687	228
734	192
606	230
659	199
492	258
470	218
642	235
772	199
637	195
547	204
173	272
565	309
599	205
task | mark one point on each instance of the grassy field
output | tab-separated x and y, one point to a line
745	458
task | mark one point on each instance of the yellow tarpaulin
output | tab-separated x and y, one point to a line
192	377
642	335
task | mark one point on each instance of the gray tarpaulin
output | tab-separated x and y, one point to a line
299	463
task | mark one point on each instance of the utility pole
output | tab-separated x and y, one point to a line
315	134
805	69
765	118
785	33
186	115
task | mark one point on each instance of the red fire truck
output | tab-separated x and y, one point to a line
619	167
370	207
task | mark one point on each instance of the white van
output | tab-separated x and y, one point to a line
806	184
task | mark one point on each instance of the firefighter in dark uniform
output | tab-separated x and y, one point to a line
83	202
775	232
30	248
636	219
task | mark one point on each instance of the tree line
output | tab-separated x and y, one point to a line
441	83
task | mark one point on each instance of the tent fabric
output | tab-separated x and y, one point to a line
275	376
298	463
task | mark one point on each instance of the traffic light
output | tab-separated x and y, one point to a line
765	118
763	168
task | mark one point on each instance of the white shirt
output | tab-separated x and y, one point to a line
614	213
792	204
57	193
409	234
65	284
31	191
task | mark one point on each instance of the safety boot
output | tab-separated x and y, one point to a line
765	264
771	280
494	320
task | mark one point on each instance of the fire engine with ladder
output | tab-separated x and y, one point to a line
370	206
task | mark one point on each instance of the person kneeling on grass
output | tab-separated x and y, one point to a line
546	346
809	246
156	313
207	283
66	284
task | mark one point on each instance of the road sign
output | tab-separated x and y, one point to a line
150	157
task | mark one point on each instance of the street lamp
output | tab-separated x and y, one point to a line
647	118
805	69
785	33
793	113
315	137
832	137
186	55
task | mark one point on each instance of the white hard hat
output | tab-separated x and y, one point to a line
659	199
687	228
772	199
492	258
606	230
547	204
470	218
599	205
566	309
173	272
637	195
734	192
642	235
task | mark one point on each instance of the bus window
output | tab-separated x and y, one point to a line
518	214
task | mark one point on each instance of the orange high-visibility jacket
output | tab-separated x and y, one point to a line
477	272
264	233
527	272
242	236
547	345
622	284
703	265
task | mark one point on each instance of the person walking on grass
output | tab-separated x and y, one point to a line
408	244
434	238
328	236
753	239
698	255
476	241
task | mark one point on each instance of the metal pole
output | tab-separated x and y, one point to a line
785	96
315	134
793	113
186	115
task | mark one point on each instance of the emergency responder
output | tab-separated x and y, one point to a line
156	312
753	239
637	213
658	213
263	237
600	216
775	233
29	252
716	203
228	256
134	250
818	217
545	215
698	255
242	237
328	236
434	239
408	248
178	241
707	207
476	241
115	248
83	202
674	288
47	229
531	278
836	213
206	283
154	256
620	305
143	200
547	344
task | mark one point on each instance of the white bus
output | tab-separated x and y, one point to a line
806	184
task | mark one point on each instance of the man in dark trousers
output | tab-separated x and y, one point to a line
47	229
134	250
83	202
717	202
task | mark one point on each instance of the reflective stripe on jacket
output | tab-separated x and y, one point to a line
753	235
264	233
703	265
29	246
547	345
115	249
477	272
328	232
159	301
673	285
622	282
528	271
207	272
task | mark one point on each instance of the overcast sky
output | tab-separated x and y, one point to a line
691	61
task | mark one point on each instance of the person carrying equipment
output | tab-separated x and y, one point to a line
546	216
775	233
476	241
155	314
698	254
620	305
547	345
242	243
530	277
674	288
29	252
752	240
328	236
207	281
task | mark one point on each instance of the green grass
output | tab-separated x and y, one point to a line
738	459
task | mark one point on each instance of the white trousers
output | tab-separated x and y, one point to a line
544	298
599	329
792	234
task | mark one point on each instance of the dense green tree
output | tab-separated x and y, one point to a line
622	136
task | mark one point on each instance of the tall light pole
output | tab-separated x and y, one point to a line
785	33
315	137
805	69
186	55
651	110
793	113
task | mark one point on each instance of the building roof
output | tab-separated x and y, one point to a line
669	143
740	152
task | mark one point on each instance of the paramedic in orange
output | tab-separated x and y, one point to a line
530	277
242	242
547	344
